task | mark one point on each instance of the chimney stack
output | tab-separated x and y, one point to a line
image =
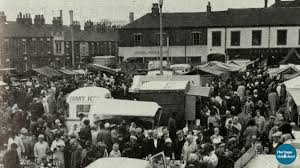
266	3
208	9
39	20
155	9
2	17
131	17
71	17
61	16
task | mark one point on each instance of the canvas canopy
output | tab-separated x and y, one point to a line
103	68
164	85
199	91
88	94
293	83
124	108
218	68
121	162
295	93
47	71
67	72
139	80
282	71
2	83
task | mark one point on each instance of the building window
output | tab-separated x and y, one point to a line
6	45
299	36
24	46
92	48
196	38
256	37
137	39
235	38
34	45
98	48
49	46
216	38
281	37
157	38
58	47
82	109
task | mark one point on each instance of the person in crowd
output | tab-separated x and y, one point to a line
251	130
216	135
76	150
104	135
11	158
156	144
210	158
260	121
190	146
14	138
40	149
172	126
57	148
85	133
168	148
115	151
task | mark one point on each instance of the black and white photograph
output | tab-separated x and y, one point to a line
149	83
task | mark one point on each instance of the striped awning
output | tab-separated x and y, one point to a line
47	71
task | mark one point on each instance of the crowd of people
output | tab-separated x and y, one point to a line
245	110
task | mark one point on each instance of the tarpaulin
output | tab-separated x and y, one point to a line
67	72
103	68
47	71
218	68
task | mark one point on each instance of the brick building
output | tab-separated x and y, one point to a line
196	36
28	43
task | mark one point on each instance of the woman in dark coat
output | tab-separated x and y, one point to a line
11	158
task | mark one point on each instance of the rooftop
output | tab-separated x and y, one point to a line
231	18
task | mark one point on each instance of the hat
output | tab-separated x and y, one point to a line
179	132
24	131
139	130
168	140
277	134
41	136
133	137
216	140
57	121
73	140
106	125
272	117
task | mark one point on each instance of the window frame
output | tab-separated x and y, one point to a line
194	40
137	42
219	44
259	42
238	42
279	42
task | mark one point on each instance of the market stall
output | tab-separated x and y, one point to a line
119	163
47	71
81	100
114	108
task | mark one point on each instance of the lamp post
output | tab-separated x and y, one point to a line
160	37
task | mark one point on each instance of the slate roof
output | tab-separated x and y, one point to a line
286	4
231	18
14	29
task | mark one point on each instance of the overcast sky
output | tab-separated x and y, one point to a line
97	10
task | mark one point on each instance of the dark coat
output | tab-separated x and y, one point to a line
154	150
178	145
11	159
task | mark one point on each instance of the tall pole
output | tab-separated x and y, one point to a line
161	37
72	38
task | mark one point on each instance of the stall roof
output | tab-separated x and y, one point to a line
7	69
293	83
67	72
80	71
126	108
295	93
47	71
3	83
103	68
199	91
164	85
139	80
121	162
218	68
